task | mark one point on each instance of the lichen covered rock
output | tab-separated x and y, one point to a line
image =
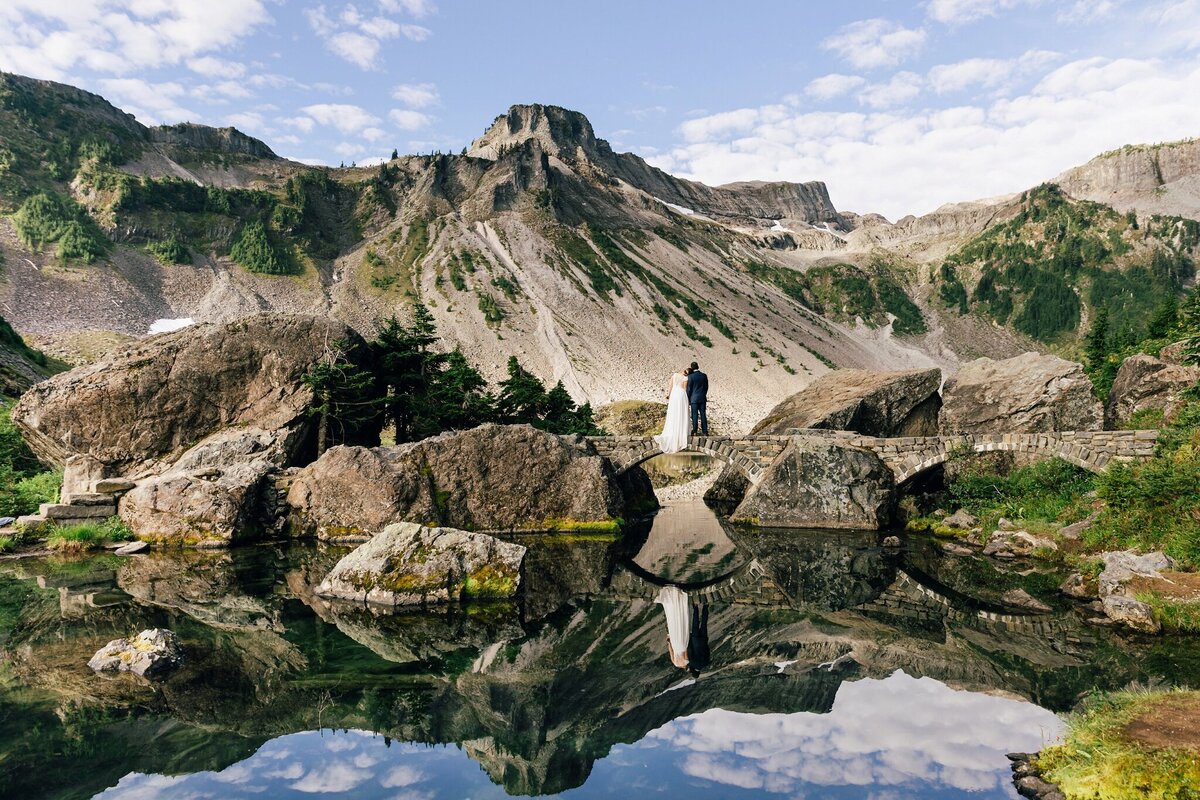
409	564
150	654
1146	383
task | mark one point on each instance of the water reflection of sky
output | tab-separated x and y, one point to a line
889	739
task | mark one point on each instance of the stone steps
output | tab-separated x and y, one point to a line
97	503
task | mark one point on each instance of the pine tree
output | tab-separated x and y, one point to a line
1165	318
343	396
522	396
459	396
559	415
1096	346
395	154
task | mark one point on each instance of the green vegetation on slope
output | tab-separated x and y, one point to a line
1105	752
1038	270
846	292
49	218
24	481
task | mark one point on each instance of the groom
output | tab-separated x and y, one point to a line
697	394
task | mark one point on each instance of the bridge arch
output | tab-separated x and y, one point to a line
750	456
1079	453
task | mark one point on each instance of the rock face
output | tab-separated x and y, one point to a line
818	484
1145	383
898	403
212	495
494	477
150	654
138	410
1131	613
1030	393
408	564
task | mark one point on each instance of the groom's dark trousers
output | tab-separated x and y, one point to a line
697	392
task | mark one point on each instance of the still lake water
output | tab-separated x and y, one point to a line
833	668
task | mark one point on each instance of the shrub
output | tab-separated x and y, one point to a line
170	251
46	218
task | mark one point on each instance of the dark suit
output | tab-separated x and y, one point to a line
697	393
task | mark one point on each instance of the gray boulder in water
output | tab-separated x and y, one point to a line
409	564
818	484
1030	393
150	654
895	403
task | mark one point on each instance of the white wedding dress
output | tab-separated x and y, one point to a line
675	430
679	622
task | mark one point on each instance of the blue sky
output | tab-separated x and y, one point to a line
898	107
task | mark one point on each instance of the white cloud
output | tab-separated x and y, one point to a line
246	121
345	118
51	40
354	47
872	43
912	160
417	8
373	134
211	67
902	87
1083	12
408	120
304	124
416	33
152	103
955	12
988	73
830	86
336	777
357	38
402	776
416	95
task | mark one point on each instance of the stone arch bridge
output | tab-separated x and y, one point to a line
906	456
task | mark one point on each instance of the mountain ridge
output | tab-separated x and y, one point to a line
594	267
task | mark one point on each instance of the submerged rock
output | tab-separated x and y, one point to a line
818	484
409	564
137	410
150	654
1019	598
1030	393
494	477
1147	383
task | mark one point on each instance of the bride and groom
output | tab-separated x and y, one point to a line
687	390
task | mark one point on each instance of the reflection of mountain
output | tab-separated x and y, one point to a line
535	694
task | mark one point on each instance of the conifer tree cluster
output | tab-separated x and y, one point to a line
404	380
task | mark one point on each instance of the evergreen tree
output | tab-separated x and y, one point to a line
459	396
559	413
1165	318
395	154
343	396
1096	345
522	396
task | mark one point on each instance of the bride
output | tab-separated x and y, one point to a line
675	430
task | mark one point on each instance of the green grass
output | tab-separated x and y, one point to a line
1095	761
1176	616
1047	491
88	536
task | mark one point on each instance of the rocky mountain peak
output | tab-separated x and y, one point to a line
560	131
219	140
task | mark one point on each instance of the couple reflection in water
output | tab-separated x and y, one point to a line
687	629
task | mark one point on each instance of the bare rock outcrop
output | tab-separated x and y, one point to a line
139	409
150	654
409	564
494	477
896	403
817	484
1030	393
213	495
1147	383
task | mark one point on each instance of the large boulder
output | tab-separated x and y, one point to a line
409	564
897	403
1147	383
494	477
138	409
818	484
213	495
1030	393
